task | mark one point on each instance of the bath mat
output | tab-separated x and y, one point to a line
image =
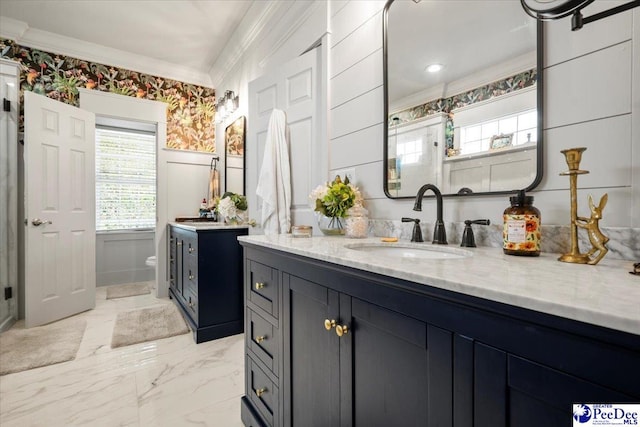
22	349
147	324
128	290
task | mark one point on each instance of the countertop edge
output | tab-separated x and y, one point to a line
585	311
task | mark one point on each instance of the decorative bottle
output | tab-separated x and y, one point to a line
521	232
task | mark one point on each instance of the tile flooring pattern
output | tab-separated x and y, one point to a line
168	382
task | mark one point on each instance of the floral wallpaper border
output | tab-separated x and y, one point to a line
190	108
446	105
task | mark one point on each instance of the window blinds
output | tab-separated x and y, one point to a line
125	179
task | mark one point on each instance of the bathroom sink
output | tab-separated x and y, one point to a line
396	250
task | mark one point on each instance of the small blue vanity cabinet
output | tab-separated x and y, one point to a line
410	354
205	278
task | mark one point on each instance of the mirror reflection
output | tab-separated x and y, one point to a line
461	83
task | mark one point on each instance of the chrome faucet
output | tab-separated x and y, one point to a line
439	232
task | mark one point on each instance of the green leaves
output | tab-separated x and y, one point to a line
238	200
339	198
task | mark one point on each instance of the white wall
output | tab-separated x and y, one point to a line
287	30
590	101
121	256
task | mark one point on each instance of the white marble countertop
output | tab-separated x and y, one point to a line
206	225
604	294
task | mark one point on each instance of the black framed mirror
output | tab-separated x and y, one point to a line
234	158
463	97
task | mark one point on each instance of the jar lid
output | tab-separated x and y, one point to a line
301	228
521	199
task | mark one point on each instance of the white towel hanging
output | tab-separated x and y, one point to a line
274	181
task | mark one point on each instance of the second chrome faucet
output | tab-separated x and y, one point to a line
439	232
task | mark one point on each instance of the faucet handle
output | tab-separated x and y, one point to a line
416	236
468	240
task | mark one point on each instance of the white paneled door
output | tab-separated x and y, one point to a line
294	88
60	272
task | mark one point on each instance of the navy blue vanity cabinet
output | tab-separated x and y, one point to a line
410	354
206	279
262	404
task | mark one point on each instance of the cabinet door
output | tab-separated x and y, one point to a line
178	279
550	394
173	261
310	359
384	363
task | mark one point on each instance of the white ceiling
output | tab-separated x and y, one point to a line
186	34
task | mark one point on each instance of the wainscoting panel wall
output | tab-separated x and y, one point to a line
121	256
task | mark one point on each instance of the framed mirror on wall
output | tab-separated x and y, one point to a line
463	97
234	140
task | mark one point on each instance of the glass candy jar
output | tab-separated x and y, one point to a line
357	222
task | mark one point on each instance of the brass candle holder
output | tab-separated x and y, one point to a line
598	240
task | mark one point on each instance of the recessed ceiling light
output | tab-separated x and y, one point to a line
434	68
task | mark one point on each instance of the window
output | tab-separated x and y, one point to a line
409	151
477	138
125	178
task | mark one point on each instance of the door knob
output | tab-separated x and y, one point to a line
329	324
259	285
260	338
342	330
261	391
38	221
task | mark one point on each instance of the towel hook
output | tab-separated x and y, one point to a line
215	159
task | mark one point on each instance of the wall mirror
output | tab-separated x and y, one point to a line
463	97
234	177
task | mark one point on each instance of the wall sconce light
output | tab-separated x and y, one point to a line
226	105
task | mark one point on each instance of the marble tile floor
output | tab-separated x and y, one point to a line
168	382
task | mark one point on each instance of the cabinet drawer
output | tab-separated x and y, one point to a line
262	392
191	279
248	416
262	338
262	285
191	301
191	246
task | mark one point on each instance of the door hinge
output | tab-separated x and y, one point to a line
8	293
6	104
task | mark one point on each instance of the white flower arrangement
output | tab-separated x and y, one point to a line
227	208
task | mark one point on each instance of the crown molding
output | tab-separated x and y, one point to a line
12	28
492	74
254	26
55	43
297	17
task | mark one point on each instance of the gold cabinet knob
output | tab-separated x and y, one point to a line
342	330
259	285
261	391
260	338
328	324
